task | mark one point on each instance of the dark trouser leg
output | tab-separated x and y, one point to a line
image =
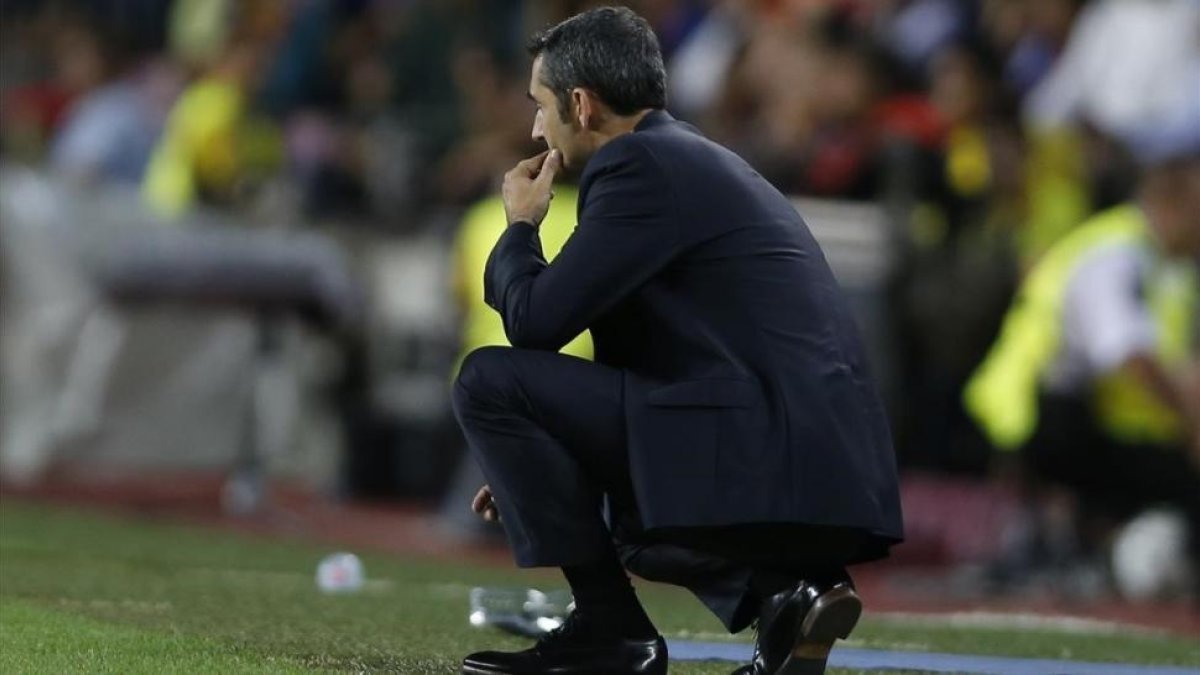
548	430
729	570
723	587
549	433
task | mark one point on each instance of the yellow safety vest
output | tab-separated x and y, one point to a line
1002	394
209	140
198	137
481	228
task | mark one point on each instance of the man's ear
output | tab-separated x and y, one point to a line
586	108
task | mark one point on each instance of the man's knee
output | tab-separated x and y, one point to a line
672	564
486	373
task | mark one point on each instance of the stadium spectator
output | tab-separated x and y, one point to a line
62	62
1126	65
495	133
110	130
1122	66
1093	378
214	147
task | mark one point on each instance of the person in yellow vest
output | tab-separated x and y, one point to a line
482	225
1093	379
213	145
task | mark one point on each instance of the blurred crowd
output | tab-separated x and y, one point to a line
383	110
987	130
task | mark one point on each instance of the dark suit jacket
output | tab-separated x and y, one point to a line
747	395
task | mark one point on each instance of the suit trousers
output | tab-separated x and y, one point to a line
548	430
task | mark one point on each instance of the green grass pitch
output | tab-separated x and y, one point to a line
92	593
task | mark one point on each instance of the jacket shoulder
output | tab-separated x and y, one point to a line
623	163
619	152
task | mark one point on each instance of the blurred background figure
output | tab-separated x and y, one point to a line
1002	186
212	146
1093	379
108	133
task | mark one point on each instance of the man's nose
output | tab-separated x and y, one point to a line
538	134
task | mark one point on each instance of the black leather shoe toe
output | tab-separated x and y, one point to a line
571	650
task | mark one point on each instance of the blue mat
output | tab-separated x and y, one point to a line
882	659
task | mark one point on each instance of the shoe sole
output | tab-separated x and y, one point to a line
832	617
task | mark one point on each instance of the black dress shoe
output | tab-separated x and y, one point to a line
575	649
797	627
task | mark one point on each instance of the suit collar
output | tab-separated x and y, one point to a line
654	118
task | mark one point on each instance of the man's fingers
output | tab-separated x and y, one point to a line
550	166
531	166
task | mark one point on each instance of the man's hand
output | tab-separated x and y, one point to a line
485	505
527	188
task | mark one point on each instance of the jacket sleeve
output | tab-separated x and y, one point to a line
627	232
